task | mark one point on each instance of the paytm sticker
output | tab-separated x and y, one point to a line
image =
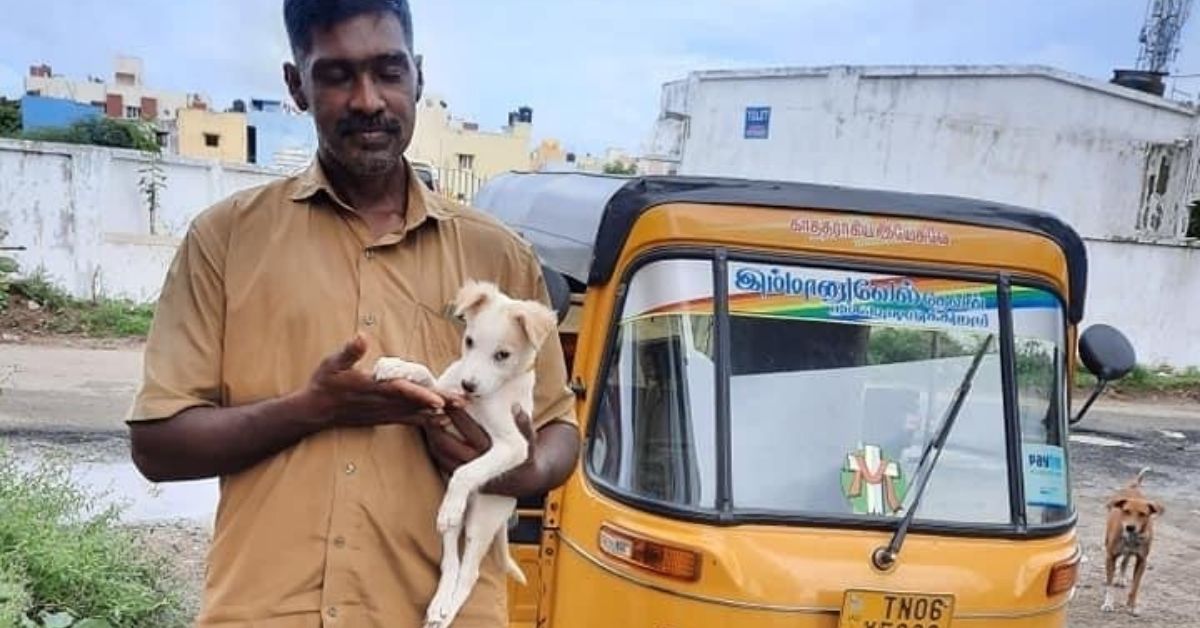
1045	475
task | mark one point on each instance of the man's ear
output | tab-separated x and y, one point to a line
472	297
291	76
536	320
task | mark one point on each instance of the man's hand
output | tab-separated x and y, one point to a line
455	438
203	442
341	395
552	451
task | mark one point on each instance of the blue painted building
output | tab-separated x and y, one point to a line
279	138
41	112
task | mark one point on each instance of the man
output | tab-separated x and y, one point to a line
278	302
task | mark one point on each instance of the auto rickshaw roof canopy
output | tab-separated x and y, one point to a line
578	222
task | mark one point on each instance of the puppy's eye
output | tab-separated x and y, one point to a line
470	342
501	355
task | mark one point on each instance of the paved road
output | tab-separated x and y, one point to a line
46	388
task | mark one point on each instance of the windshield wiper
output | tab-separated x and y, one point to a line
885	558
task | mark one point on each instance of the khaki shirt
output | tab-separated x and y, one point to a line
338	530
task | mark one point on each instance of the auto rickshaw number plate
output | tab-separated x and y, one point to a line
888	609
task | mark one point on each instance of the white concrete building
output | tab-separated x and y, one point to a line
1118	164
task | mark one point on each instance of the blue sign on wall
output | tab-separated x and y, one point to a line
758	123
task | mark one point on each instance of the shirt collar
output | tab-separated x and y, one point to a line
423	203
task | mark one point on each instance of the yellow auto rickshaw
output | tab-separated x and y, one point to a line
805	405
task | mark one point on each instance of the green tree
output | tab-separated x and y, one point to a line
100	132
8	268
616	167
10	117
151	184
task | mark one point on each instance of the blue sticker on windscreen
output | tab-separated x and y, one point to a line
1045	475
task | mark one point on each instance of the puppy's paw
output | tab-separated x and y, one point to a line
394	368
437	615
1120	582
442	610
1107	606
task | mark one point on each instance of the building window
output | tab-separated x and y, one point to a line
1193	226
212	140
133	113
466	162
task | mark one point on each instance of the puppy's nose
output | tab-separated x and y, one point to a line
469	385
1131	528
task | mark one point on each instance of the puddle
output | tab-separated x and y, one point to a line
144	501
1088	439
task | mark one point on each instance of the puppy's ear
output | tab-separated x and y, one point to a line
1156	508
1117	502
472	297
536	320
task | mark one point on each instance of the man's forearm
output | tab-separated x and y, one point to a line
554	458
207	442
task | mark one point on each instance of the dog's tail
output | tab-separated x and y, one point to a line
510	564
1137	480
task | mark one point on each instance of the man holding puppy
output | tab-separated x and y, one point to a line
279	300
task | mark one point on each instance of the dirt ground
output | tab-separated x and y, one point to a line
73	397
1170	593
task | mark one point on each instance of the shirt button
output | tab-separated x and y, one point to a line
350	468
332	612
369	320
369	253
339	542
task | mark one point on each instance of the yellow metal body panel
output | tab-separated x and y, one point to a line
790	576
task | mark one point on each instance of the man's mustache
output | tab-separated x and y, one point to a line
347	126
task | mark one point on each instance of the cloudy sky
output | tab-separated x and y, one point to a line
591	69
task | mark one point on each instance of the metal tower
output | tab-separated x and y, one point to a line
1160	34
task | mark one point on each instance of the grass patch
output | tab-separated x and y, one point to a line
63	314
119	319
38	289
1148	380
66	561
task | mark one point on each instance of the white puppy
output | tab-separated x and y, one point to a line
495	374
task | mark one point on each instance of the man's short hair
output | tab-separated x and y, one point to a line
302	16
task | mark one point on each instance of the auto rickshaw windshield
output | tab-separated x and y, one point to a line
837	380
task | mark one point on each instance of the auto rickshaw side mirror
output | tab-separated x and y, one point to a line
559	290
1108	355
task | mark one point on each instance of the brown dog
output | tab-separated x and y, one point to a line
1128	536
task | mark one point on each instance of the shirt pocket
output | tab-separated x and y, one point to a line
418	332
